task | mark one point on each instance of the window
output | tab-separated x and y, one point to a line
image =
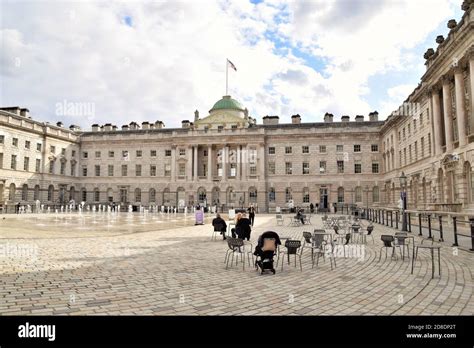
288	195
111	154
124	170
1	160
288	168
85	154
38	146
271	150
253	169
63	151
97	170
404	136
234	126
375	194
26	164
152	153
204	152
340	167
306	195
84	171
139	153
182	169
271	194
409	152
152	170
340	195
414	125
339	148
51	167
416	150
27	144
73	153
168	169
97	154
15	141
357	168
2	139
322	167
167	153
429	144
422	147
356	148
138	195
110	170
73	169
253	195
409	130
271	168
358	194
288	150
62	168
305	167
405	155
152	195
52	149
50	193
322	148
84	194
96	195
375	167
36	193
305	149
220	128
400	158
375	147
138	170
182	152
38	165
399	136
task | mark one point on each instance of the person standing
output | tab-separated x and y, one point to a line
251	211
311	208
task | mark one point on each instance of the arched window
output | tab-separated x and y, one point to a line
375	194
288	194
306	195
138	195
271	194
358	194
166	196
201	195
11	192
50	193
152	195
36	193
84	194
96	195
340	195
24	193
252	195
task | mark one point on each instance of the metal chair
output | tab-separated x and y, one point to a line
308	243
368	232
293	247
402	242
388	241
236	246
320	242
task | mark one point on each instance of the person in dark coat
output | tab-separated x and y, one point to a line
311	208
243	228
251	211
220	225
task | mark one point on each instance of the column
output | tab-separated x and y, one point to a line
173	163
471	97
239	163
448	118
460	106
189	163
209	163
437	126
225	151
195	164
261	161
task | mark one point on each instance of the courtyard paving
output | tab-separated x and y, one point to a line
135	264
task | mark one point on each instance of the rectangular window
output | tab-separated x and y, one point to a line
167	153
204	152
271	150
73	153
84	170
409	152
305	168
429	144
15	142
409	130
85	154
305	149
271	168
357	148
1	160
152	153
73	169
51	167
340	167
124	170
405	155
111	154
253	170
139	153
400	158
110	170
416	150
63	151
97	170
27	144
322	167
97	154
2	139
138	170
288	150
288	168
357	168
38	146
182	170
38	165
152	170
52	149
375	167
220	128
404	135
26	164
414	125
62	168
374	147
182	152
339	148
168	169
422	147
322	148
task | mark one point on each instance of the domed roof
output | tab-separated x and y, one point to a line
227	103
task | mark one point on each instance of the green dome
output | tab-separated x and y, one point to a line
227	103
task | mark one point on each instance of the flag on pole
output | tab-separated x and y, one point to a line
231	65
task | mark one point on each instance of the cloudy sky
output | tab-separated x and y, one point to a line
157	60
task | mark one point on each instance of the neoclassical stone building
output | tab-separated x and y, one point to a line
228	158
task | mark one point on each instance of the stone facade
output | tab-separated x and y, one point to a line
228	159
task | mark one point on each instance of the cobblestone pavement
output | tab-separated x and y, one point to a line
164	265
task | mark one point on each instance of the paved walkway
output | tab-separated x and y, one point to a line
164	265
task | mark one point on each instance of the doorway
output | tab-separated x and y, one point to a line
323	199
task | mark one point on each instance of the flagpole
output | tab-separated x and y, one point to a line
226	76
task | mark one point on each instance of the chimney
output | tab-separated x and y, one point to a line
196	115
159	125
59	124
74	128
145	125
270	120
328	117
114	128
359	118
296	119
134	125
345	118
95	127
185	123
374	116
108	127
125	127
25	112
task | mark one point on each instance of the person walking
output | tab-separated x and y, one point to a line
251	211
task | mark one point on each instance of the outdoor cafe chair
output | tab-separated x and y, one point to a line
293	247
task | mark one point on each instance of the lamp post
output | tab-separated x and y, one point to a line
403	183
